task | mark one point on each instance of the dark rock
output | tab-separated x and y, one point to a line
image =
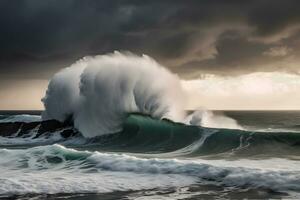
68	133
9	128
49	126
27	127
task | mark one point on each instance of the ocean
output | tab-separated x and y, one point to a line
257	158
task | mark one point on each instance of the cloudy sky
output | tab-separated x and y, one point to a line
192	38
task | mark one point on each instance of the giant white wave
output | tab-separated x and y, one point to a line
99	92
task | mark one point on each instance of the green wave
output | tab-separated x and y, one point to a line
143	134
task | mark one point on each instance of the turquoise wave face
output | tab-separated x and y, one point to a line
143	134
146	135
152	154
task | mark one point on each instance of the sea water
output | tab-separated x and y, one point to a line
157	159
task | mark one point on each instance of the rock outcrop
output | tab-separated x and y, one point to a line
19	129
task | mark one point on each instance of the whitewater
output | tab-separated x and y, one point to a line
116	126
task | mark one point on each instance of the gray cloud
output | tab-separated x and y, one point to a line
39	37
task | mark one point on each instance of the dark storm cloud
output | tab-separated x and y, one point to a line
233	49
270	17
236	54
38	37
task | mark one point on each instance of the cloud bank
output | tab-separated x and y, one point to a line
39	37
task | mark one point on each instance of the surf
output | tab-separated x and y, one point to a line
58	160
164	138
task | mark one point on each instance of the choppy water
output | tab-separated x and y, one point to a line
152	159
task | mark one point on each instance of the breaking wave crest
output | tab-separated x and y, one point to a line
99	92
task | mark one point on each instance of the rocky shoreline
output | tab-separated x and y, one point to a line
22	129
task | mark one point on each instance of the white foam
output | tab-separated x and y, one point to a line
53	182
210	119
100	172
27	171
276	179
99	92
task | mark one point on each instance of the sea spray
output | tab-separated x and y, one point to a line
212	119
99	92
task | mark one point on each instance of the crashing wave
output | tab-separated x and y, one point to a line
99	92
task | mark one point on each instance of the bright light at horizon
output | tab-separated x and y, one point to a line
23	95
255	91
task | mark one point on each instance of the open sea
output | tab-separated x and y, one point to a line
156	159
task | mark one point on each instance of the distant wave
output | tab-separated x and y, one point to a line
210	119
20	118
